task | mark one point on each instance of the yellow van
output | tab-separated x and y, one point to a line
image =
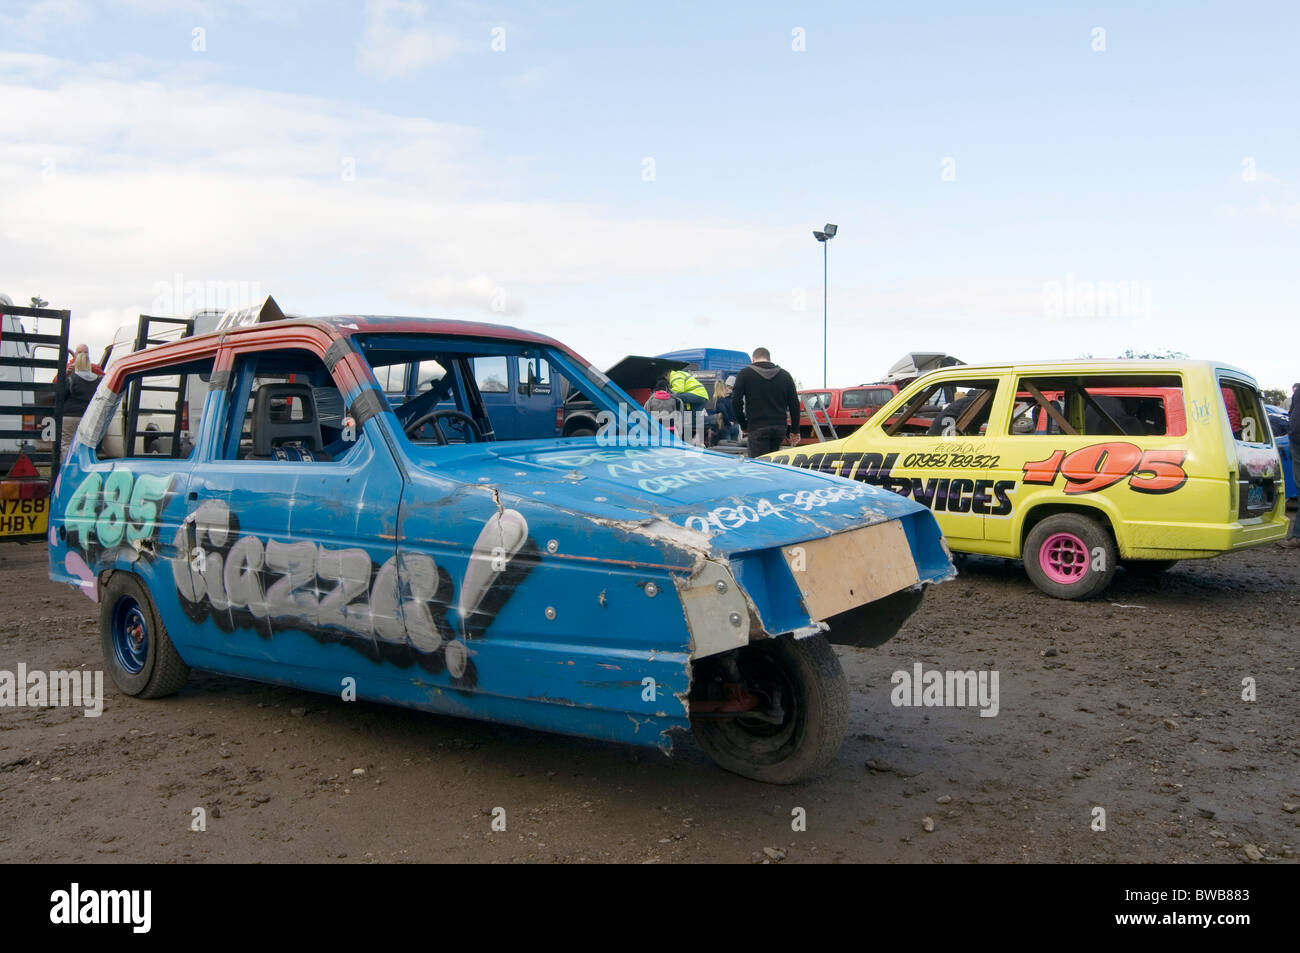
1076	466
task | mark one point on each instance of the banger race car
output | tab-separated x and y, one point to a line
1076	467
621	586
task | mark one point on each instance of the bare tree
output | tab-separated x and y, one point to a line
1165	355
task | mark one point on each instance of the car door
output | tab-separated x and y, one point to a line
937	449
535	399
497	384
1103	440
125	499
290	550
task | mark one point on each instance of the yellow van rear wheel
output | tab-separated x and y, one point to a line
1070	556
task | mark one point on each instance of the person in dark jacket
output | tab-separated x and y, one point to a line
1292	540
766	404
79	388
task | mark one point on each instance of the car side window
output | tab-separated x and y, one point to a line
1110	405
392	380
873	397
285	407
534	371
492	375
427	374
1245	412
954	408
159	414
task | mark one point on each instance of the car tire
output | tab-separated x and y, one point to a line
816	713
1147	568
1070	556
581	432
138	653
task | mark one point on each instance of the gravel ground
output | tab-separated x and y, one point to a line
1131	703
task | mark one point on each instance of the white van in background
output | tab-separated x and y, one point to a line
158	408
33	354
10	373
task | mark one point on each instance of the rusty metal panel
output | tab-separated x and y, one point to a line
841	572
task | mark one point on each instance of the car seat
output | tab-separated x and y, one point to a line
276	436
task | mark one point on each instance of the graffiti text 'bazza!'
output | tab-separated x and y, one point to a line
396	611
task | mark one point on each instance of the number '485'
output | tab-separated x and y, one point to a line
121	506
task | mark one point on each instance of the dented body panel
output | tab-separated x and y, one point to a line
561	584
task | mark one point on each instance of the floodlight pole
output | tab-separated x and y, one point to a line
825	294
824	236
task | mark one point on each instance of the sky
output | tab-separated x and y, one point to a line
1011	181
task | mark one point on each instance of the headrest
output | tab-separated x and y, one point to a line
273	406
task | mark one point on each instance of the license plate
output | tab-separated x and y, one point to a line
1255	500
24	517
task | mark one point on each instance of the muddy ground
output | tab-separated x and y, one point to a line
1131	703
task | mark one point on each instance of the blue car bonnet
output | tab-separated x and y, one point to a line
731	504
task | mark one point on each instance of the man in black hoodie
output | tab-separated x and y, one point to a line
766	404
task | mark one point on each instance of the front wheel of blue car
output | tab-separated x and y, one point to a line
138	654
775	711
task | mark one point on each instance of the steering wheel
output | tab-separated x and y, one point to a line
434	417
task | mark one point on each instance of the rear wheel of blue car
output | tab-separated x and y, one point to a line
139	656
774	711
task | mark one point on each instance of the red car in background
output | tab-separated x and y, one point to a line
1148	410
847	408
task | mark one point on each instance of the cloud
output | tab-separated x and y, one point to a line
37	20
395	43
932	301
1263	177
1271	198
114	183
1275	199
91	120
519	85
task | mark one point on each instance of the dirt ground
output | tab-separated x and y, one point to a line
1131	703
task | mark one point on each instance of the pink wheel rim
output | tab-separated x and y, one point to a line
1063	558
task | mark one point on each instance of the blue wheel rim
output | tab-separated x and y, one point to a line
130	635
